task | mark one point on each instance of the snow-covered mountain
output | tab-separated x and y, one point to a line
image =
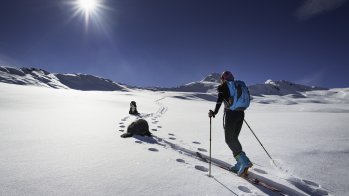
39	77
207	85
281	88
269	92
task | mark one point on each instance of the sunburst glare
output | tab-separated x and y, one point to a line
87	5
90	9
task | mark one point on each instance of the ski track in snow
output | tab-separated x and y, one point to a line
303	185
310	188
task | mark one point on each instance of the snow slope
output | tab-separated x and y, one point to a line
29	76
67	142
39	77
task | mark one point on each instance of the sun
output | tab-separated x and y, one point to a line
91	10
87	5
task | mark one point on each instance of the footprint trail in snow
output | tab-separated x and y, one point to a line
149	143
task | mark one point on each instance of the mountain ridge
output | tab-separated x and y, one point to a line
40	77
85	82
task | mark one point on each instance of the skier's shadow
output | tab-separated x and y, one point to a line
156	140
224	186
283	188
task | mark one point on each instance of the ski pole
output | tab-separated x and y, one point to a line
260	143
210	147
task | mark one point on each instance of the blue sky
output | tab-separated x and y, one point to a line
171	42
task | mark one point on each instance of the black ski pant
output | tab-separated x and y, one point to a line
232	126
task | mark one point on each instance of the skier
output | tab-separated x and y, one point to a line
231	93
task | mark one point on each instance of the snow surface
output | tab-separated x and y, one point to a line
67	142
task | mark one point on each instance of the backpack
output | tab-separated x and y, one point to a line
239	98
138	127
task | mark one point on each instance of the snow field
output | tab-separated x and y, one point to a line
67	142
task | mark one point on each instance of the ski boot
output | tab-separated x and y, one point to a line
245	164
235	168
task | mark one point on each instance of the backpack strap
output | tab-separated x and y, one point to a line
232	90
238	90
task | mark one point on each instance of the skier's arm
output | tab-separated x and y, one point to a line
218	102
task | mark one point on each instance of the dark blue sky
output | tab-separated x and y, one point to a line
171	42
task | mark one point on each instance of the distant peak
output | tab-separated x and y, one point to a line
213	77
271	82
279	82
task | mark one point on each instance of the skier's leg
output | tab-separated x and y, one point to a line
233	123
245	162
231	137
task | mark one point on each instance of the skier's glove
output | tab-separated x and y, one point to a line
211	114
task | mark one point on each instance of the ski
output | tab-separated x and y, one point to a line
251	180
217	163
